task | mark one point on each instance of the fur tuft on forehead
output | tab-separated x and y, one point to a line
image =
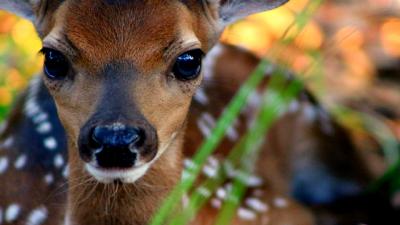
137	31
117	2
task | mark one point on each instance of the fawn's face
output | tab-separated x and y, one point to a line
122	76
123	72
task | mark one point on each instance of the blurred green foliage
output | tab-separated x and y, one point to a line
19	59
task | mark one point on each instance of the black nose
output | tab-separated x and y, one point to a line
115	146
118	136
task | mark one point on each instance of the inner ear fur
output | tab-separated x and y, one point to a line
30	9
233	10
23	8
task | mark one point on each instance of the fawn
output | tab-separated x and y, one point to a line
120	75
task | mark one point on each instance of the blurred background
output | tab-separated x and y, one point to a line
348	54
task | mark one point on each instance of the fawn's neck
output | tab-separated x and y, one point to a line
90	202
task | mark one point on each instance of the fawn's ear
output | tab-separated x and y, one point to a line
233	10
23	8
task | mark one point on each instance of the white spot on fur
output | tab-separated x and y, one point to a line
257	205
213	161
204	192
280	202
232	133
65	172
229	169
58	161
206	123
32	108
210	171
3	165
253	104
50	143
12	213
228	187
37	216
211	60
20	162
1	215
49	179
67	218
185	175
254	181
44	127
310	113
189	164
254	100
294	106
250	180
40	118
3	126
221	193
201	96
185	200
216	203
7	143
246	214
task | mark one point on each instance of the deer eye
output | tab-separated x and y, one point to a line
188	65
56	65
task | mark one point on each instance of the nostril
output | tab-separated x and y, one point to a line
141	138
94	141
115	146
130	136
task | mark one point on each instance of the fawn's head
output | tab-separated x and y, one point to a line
123	72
